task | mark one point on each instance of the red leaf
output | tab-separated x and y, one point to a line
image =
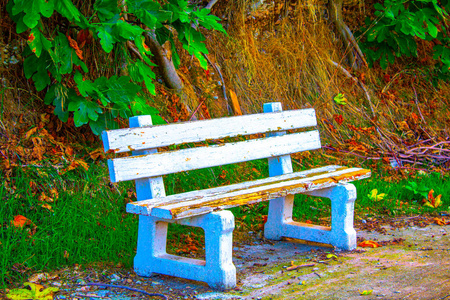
20	221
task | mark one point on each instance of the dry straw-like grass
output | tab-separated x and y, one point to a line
297	59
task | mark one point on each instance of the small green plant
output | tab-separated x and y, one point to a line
400	23
419	191
340	99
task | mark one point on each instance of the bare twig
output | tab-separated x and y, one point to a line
299	267
196	110
211	4
124	287
217	68
416	99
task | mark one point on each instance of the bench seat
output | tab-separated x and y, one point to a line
199	202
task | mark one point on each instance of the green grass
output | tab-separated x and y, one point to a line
89	224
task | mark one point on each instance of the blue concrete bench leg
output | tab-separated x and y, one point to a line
217	270
341	234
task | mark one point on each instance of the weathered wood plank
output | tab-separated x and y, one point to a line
143	166
197	194
129	139
200	202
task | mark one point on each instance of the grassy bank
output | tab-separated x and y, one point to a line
79	217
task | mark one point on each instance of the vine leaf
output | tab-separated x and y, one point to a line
127	31
106	39
33	10
37	42
141	72
84	110
68	10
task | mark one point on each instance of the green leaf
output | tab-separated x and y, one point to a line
106	9
340	99
175	57
41	80
106	39
84	110
58	95
68	10
432	30
104	122
30	66
162	35
389	14
126	31
120	89
140	107
148	76
149	12
378	6
85	87
33	10
372	35
383	62
36	41
63	54
382	34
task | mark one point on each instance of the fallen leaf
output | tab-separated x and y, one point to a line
369	243
331	256
366	292
20	221
41	277
35	291
339	119
47	206
375	196
441	222
340	99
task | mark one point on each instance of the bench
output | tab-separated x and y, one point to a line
205	208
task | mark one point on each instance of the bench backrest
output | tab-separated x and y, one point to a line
146	162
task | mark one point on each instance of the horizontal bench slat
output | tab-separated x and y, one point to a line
130	139
157	164
197	194
192	203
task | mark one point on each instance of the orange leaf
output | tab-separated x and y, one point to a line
371	244
20	221
47	206
74	45
441	222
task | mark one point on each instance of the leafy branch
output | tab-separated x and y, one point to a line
400	23
55	62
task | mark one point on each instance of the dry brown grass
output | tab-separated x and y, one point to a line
268	58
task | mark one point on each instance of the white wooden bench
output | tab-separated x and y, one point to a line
205	208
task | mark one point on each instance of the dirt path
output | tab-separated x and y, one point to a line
413	263
416	268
